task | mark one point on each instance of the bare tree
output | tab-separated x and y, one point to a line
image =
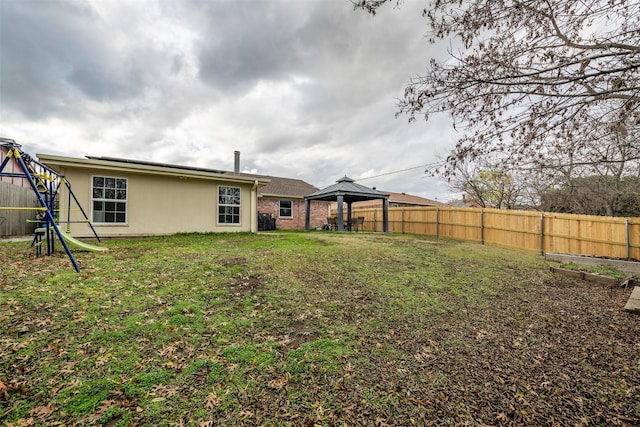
490	187
589	173
595	195
535	79
601	179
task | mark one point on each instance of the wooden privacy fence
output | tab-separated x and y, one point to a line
534	231
13	222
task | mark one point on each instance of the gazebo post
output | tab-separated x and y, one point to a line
340	212
349	215
307	216
385	215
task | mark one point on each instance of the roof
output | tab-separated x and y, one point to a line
128	165
402	198
349	190
145	163
286	187
465	203
411	199
269	185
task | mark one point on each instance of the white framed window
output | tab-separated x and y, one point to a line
286	209
109	200
228	205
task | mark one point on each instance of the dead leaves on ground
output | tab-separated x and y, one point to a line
554	354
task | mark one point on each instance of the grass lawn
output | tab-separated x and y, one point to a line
306	329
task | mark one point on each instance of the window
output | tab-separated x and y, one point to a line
286	209
228	205
109	200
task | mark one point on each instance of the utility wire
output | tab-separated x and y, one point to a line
426	166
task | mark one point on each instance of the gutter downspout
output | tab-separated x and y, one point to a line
254	207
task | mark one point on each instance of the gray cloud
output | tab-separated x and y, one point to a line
53	57
304	89
247	42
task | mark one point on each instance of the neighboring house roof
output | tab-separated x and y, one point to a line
128	165
411	199
285	187
400	199
464	203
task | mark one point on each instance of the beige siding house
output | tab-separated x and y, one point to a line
125	197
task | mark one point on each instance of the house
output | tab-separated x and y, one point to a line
398	200
465	202
283	198
11	167
125	197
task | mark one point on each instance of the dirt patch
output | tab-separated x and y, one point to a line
234	261
246	284
298	333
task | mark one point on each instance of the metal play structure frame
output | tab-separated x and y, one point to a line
45	183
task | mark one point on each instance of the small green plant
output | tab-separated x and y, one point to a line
599	269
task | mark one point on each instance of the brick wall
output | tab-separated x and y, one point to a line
319	213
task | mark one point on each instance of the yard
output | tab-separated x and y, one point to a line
310	329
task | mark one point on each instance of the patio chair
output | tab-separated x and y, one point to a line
333	223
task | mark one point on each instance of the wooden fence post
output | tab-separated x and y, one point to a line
627	238
402	220
482	226
437	218
542	234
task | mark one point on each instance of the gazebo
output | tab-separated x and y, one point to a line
346	190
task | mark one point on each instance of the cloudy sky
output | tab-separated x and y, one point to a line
302	88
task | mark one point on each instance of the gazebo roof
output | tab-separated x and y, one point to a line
349	190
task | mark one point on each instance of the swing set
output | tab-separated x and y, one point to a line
46	184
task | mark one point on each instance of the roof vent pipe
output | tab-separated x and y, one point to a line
236	162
